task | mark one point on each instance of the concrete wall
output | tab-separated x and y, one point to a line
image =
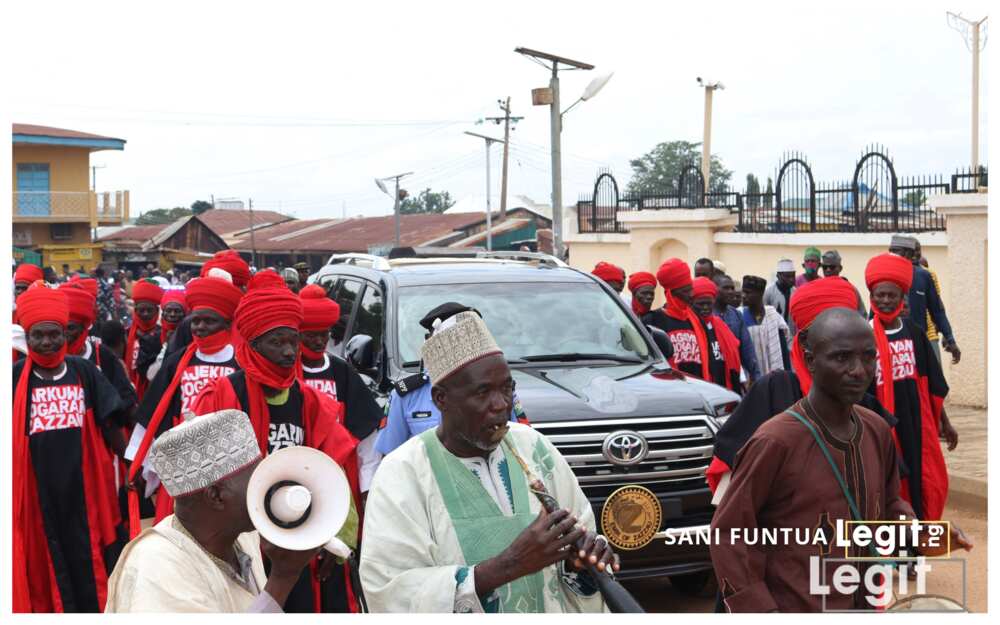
69	167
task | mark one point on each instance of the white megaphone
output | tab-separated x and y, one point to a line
298	499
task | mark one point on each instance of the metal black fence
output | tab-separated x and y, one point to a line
875	199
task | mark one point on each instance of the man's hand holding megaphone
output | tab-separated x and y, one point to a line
286	567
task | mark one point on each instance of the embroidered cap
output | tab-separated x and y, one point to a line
903	241
203	450
456	342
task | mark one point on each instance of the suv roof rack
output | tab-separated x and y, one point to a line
376	262
515	255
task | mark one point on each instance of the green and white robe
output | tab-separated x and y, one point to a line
431	516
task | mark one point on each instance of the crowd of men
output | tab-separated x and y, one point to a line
132	452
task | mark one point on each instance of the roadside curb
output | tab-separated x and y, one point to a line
967	492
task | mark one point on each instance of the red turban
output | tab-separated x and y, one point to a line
319	311
147	291
703	287
215	294
40	304
674	274
808	301
262	310
88	284
26	272
641	279
230	261
81	304
608	272
899	271
889	268
176	296
266	279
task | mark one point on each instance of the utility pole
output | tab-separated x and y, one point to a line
381	185
253	243
506	119
489	205
93	176
976	45
706	142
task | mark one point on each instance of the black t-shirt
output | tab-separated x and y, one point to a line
687	355
287	428
198	374
57	412
113	369
340	381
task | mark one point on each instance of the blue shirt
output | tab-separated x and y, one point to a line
748	357
923	298
410	414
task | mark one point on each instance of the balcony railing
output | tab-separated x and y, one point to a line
56	206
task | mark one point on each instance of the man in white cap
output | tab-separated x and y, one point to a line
206	556
779	294
451	525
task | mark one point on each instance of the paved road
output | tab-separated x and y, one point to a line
659	596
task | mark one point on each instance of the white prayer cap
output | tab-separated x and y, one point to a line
203	450
458	341
215	272
785	265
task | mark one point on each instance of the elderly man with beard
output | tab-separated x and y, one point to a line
206	557
451	525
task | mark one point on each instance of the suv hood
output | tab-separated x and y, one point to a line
568	392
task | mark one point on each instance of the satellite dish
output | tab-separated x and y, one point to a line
381	186
595	86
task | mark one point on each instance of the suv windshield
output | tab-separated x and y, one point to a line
530	319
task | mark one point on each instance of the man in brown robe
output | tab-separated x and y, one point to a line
781	479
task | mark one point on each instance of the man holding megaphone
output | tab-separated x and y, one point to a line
205	557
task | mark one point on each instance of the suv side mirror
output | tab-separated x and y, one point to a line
662	341
360	351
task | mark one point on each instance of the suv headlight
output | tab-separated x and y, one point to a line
724	411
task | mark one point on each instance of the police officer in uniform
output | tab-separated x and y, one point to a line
410	409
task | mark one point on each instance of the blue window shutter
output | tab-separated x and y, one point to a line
33	180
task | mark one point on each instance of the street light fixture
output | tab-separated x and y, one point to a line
550	96
489	209
971	31
380	183
706	142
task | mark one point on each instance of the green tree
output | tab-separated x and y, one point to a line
753	190
162	216
915	199
658	170
200	206
426	201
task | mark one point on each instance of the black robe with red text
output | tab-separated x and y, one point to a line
341	382
687	356
73	496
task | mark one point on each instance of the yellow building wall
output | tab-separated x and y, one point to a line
69	167
36	234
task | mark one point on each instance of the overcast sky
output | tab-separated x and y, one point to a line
300	105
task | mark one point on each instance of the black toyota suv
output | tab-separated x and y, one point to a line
585	369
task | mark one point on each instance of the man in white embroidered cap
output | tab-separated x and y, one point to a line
206	556
451	525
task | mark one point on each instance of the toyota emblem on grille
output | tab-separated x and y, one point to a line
625	447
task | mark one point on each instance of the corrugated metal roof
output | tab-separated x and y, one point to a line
135	233
48	131
224	221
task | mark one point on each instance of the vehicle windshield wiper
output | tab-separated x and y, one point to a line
571	357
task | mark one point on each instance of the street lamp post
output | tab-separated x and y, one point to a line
967	27
489	206
550	96
381	185
706	142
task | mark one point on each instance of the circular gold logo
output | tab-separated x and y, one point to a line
631	517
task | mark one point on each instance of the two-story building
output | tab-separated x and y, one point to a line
54	209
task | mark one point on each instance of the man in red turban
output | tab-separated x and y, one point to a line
780	389
612	274
169	401
692	340
916	390
337	378
285	412
65	507
266	278
642	285
143	344
82	314
231	262
173	308
703	294
24	276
